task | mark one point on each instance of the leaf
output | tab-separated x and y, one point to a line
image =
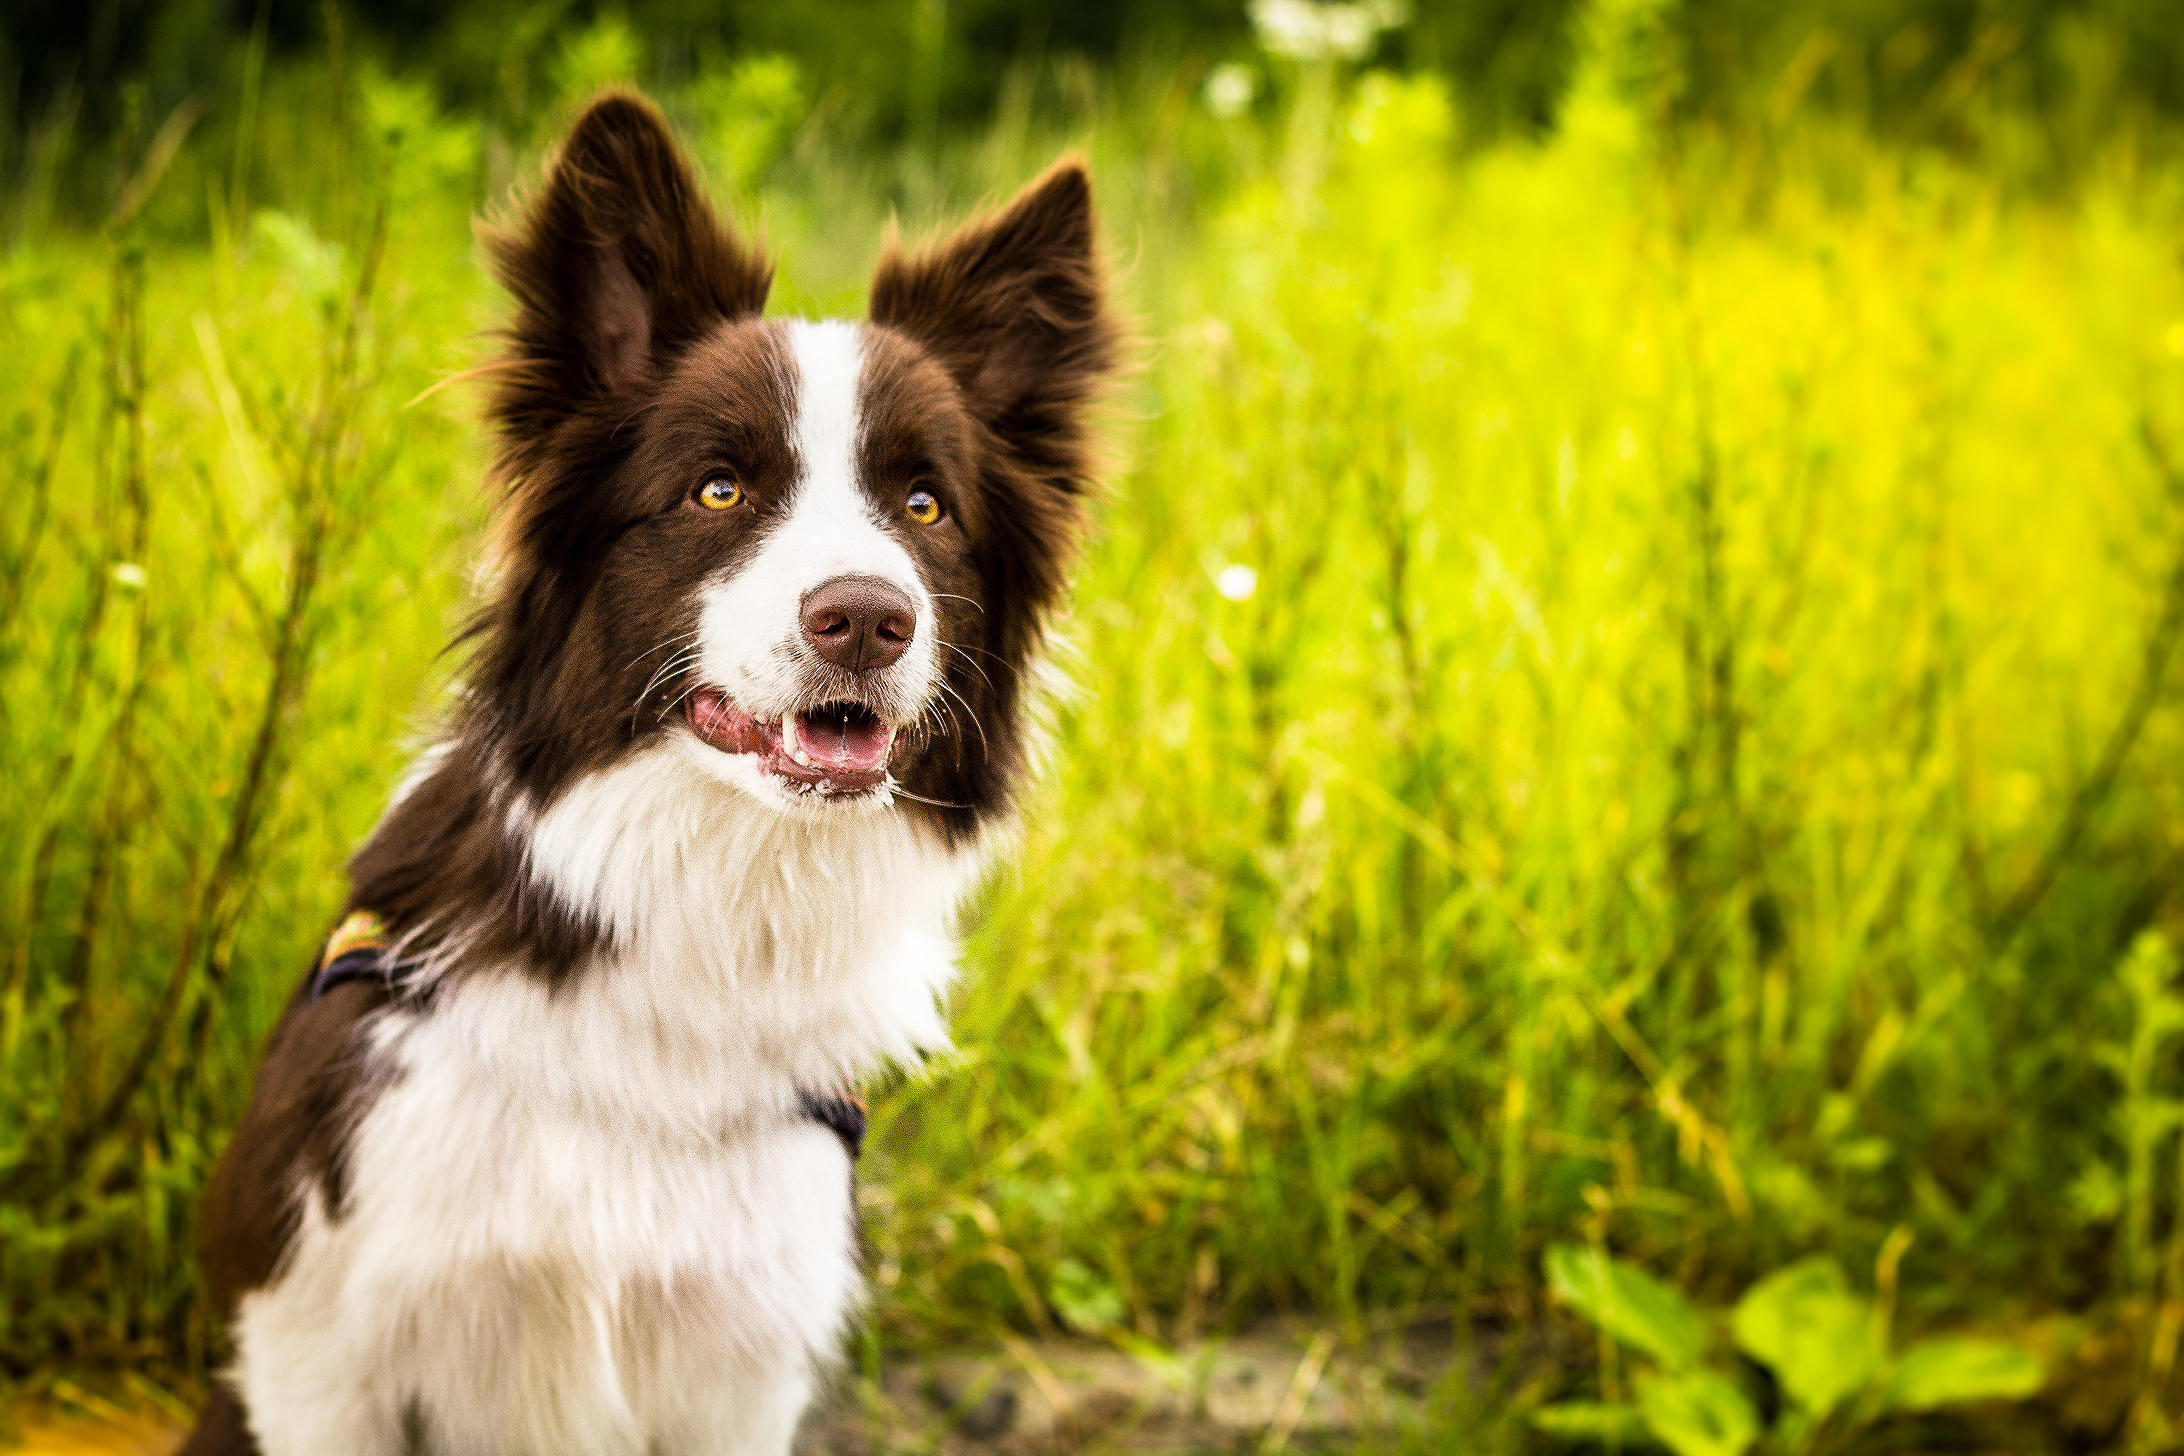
1945	1371
1698	1413
1589	1420
1629	1304
1803	1323
1088	1302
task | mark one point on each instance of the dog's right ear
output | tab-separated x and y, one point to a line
617	264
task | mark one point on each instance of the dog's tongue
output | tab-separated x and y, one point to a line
845	745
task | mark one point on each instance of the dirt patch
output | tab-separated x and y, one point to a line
1277	1387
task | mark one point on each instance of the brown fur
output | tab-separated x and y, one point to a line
1012	309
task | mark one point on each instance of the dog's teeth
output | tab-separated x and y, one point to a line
789	744
803	758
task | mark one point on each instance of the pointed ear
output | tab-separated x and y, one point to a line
1014	307
617	264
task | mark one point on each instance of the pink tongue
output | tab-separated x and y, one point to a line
858	745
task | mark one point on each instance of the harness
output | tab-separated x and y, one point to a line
357	951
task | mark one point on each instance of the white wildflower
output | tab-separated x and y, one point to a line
1230	90
1306	30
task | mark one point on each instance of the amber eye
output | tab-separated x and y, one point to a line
922	507
720	494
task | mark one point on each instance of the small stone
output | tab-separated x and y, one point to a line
992	1416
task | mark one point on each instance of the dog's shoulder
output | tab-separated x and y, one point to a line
314	1083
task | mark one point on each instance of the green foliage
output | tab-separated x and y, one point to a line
1826	1348
1083	1299
1606	1423
1945	1371
1803	1323
750	113
604	53
1697	1413
1625	698
312	264
1628	1303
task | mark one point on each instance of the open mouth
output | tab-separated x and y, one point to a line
834	748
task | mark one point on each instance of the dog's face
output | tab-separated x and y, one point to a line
818	556
800	556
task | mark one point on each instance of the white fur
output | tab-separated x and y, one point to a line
751	640
592	1219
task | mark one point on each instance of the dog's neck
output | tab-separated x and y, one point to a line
742	955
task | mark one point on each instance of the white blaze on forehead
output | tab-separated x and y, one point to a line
751	634
828	358
833	528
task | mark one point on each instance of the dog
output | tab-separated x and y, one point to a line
553	1149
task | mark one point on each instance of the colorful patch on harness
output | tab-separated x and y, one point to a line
356	951
361	930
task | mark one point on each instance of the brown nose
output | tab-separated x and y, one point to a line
859	622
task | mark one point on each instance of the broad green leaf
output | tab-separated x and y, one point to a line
1803	1323
1698	1413
1945	1371
1629	1304
1587	1420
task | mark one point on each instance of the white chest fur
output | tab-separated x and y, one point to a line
591	1220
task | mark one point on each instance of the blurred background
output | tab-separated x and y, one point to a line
1621	805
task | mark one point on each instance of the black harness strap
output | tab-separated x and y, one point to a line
357	965
841	1112
358	952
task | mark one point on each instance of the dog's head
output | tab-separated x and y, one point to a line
820	555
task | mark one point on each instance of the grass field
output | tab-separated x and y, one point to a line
1624	697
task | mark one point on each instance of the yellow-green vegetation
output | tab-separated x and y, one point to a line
1623	695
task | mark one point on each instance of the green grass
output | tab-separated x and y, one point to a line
1690	777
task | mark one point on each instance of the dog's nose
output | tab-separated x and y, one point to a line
859	622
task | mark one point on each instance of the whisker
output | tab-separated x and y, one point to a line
667	669
903	793
933	710
680	699
969	659
982	652
951	596
935	734
678	637
983	746
953	729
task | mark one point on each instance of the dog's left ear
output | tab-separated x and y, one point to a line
616	265
1014	307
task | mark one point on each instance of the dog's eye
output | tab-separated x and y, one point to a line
922	507
720	493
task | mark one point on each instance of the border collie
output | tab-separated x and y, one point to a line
552	1150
